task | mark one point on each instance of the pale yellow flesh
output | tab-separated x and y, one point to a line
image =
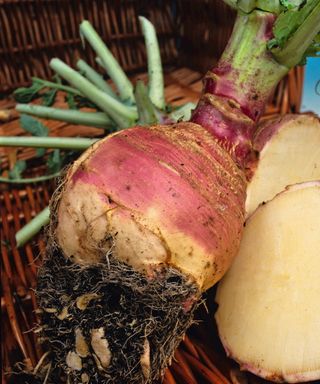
269	301
292	155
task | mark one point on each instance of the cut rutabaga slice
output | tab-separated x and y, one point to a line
269	301
289	153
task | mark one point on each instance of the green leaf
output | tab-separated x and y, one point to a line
297	34
290	4
27	94
77	102
33	126
18	168
71	101
40	152
83	102
36	128
49	97
274	6
55	161
290	20
314	48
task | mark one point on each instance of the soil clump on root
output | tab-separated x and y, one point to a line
107	323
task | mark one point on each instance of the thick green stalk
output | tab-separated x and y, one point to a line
113	68
58	86
92	119
75	143
247	73
155	72
123	115
95	78
238	88
33	227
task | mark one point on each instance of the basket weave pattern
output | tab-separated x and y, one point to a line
35	31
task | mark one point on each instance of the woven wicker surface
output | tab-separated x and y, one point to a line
35	31
51	29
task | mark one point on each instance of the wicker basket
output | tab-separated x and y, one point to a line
34	32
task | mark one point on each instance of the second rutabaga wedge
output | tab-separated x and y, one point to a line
268	315
288	150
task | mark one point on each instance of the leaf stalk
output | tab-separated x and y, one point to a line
93	119
33	227
75	143
113	68
155	72
123	115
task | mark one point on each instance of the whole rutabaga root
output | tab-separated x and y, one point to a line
140	276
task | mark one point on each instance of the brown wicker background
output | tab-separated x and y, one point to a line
192	34
34	31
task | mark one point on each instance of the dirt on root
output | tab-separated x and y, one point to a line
140	320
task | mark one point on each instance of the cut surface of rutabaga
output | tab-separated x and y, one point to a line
268	313
289	153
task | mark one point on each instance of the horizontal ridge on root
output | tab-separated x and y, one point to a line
107	323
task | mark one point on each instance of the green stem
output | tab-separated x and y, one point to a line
248	6
95	78
93	119
293	50
75	143
61	87
33	227
183	113
147	115
124	116
29	179
113	68
99	62
156	84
